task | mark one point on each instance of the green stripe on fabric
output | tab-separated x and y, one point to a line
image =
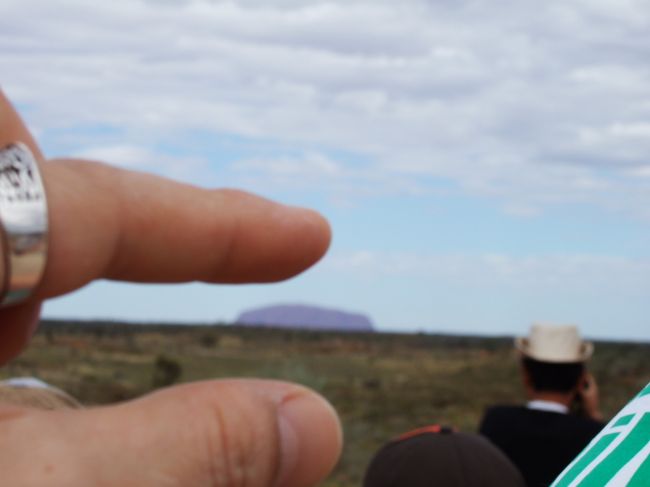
642	475
624	420
633	443
584	461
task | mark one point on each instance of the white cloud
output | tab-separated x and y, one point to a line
344	181
313	166
142	159
560	272
119	155
532	104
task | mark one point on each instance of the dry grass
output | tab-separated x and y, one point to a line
382	385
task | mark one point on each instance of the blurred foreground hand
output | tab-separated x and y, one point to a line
115	224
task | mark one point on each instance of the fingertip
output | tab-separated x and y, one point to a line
269	241
310	439
267	433
316	228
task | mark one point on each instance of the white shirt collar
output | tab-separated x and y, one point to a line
553	407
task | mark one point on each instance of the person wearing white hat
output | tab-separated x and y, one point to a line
543	436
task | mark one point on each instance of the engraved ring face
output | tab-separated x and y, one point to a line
23	221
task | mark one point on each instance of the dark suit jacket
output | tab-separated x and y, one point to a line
540	443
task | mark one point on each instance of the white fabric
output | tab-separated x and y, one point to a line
553	407
28	382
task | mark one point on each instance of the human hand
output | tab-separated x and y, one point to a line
116	224
590	398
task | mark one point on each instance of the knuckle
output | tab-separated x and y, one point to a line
234	438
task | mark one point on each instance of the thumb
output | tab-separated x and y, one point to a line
222	433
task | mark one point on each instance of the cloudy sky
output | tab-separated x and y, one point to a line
483	164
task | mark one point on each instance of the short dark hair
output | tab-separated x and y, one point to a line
553	377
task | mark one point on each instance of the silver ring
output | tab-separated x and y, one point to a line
23	224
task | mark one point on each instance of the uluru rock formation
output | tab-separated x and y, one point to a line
305	317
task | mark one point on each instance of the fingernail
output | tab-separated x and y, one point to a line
310	439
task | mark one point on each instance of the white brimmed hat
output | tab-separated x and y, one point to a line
554	343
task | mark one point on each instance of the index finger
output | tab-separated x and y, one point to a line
116	224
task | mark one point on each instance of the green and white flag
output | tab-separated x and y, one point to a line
619	455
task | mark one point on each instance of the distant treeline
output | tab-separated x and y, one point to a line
107	328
